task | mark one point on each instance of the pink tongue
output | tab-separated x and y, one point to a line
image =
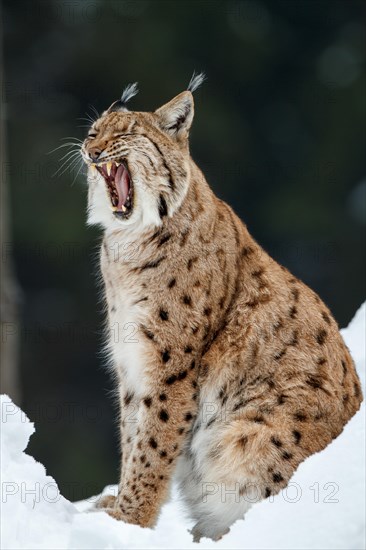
121	181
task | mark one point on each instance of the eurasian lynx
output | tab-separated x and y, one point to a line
237	372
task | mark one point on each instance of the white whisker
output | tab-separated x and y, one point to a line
94	111
70	154
66	162
77	140
78	172
63	145
69	167
87	118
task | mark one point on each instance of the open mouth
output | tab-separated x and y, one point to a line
119	187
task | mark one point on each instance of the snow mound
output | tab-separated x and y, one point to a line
323	507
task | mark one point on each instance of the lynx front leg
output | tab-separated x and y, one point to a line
129	406
165	415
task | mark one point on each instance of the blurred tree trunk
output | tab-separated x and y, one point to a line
9	290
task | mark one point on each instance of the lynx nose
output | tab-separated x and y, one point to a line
94	153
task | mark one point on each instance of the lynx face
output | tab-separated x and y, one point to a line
138	164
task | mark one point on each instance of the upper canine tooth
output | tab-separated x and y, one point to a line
109	168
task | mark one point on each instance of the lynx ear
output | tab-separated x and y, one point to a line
176	117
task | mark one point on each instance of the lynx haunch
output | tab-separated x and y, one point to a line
230	370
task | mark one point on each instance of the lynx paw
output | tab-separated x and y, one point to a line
115	513
108	501
109	504
200	531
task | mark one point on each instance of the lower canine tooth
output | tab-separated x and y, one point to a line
123	208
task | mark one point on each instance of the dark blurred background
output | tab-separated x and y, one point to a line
279	133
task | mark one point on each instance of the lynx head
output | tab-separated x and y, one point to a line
139	162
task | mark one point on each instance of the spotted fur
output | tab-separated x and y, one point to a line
230	370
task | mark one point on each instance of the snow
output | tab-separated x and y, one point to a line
323	507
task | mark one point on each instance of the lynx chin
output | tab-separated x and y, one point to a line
230	370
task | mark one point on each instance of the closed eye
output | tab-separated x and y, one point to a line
92	135
123	134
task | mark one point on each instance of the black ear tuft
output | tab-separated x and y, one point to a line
196	81
128	93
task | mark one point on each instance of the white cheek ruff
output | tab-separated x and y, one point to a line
145	211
